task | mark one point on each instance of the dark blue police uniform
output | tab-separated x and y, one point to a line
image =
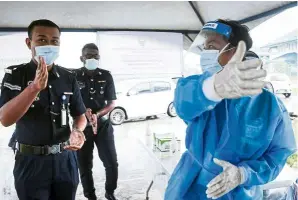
96	90
43	170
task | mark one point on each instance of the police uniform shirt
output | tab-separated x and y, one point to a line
96	89
41	124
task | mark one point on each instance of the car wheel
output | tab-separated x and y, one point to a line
171	110
287	95
117	116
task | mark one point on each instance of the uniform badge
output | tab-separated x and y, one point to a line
101	90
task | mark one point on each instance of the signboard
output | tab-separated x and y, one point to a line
141	54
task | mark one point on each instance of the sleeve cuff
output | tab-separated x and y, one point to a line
243	175
79	112
209	91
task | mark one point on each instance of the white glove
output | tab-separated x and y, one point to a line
229	179
239	78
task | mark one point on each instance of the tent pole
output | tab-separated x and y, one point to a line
197	12
268	13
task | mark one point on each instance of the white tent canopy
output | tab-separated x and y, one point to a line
185	17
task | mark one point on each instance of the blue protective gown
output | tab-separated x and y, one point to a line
253	132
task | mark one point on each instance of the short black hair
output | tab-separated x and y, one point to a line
239	32
251	54
41	22
90	46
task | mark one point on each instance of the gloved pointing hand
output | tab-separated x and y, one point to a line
228	180
239	78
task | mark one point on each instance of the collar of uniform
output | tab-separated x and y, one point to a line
94	73
54	70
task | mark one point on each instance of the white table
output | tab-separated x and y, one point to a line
167	162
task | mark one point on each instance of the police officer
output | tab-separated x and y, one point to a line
38	97
98	93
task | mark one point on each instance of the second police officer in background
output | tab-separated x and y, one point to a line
98	93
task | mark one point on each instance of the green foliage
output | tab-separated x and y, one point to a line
293	160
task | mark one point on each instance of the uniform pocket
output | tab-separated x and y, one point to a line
29	168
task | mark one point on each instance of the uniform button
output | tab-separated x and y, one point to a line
68	104
91	88
50	86
53	103
91	79
32	106
91	98
54	120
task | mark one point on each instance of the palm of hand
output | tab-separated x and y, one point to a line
76	138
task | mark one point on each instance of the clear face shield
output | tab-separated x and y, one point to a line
203	53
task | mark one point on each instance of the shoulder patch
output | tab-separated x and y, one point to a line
11	69
104	71
67	70
14	67
8	71
78	72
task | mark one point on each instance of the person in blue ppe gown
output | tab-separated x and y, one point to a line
239	135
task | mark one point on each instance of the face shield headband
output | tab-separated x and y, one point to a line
210	29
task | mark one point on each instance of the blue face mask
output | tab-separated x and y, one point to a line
209	61
91	64
49	53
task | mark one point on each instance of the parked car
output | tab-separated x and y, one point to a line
143	98
281	84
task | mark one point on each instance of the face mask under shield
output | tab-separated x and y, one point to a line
211	31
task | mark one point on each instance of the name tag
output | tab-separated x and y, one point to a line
101	81
68	93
